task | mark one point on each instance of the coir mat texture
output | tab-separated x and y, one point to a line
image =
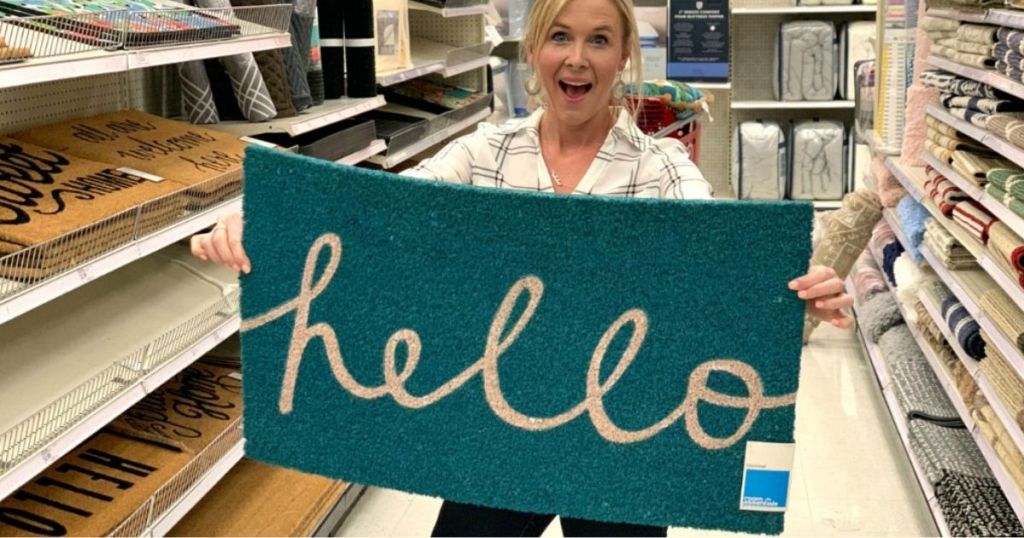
602	358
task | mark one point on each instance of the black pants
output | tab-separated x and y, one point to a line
457	519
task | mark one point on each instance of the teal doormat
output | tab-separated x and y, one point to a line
587	356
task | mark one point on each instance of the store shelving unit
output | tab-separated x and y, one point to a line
329	113
1000	17
804	10
899	420
375	148
393	159
44	291
795	105
992	78
991	140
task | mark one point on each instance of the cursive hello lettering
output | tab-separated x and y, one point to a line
499	340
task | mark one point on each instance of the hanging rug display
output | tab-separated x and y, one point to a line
596	357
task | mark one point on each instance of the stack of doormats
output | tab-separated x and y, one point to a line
114	476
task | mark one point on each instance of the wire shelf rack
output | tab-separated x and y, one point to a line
51	421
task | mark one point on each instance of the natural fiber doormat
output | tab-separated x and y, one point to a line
595	357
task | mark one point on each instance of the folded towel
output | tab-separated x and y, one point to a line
964	327
976	60
943	192
912	217
977	33
929	23
982	104
935	124
974	218
889	254
1015	186
1000	177
1005	314
951	253
1004	379
983	49
879	314
994	430
974	167
995	192
955	144
978	119
1015	205
949	83
943	154
1008	245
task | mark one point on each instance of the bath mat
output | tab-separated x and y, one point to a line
426	262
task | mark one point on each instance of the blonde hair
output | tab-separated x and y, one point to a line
542	18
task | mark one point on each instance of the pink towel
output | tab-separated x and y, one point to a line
889	189
919	96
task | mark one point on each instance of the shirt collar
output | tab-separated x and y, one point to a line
625	128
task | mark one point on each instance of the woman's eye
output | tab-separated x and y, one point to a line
600	40
560	37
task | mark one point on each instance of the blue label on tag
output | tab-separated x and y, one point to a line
765	489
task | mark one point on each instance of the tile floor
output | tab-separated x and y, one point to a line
851	477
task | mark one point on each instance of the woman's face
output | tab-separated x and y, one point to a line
580	59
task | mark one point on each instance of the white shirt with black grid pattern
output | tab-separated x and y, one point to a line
629	163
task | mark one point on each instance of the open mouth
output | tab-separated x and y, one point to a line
575	90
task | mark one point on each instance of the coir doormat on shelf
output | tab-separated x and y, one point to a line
602	358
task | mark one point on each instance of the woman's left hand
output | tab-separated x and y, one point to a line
825	295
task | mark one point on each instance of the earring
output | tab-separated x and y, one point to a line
618	91
532	85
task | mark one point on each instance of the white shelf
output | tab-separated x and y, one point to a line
804	10
1000	17
74	436
787	105
329	113
711	85
393	160
992	78
1006	482
823	205
480	9
48	290
986	138
181	508
102	62
376	147
899	420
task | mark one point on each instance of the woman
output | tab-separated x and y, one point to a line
581	141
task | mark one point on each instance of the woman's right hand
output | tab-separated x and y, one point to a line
223	244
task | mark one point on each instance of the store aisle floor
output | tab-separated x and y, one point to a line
851	474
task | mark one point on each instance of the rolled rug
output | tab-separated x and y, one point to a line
978	119
932	23
330	16
912	217
196	94
359	49
954	144
275	75
984	104
297	57
964	327
943	192
908	278
942	450
868	281
977	33
1015	133
983	49
879	314
938	79
847	231
1005	314
315	72
974	218
994	430
976	506
999	123
1008	245
890	253
251	92
882	235
975	166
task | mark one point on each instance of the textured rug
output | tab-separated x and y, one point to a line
480	343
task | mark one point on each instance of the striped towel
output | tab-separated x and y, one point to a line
982	104
882	235
1000	177
977	119
995	192
943	192
974	167
1015	205
868	281
935	124
954	144
977	33
974	218
1005	379
1014	133
933	23
976	60
983	49
994	430
963	326
1003	240
941	153
1005	314
1015	187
